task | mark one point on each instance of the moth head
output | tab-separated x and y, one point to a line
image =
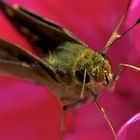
97	69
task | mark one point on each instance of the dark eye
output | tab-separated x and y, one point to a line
79	74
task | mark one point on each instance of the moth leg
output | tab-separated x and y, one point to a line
81	101
74	105
66	108
62	124
119	69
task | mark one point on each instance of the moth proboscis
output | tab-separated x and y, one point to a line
67	66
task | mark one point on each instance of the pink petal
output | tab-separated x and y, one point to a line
123	131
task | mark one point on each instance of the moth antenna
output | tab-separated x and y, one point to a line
118	37
130	28
83	87
123	17
115	35
102	112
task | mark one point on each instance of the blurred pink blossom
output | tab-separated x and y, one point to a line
30	112
122	134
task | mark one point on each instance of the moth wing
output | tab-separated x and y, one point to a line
8	68
46	35
15	61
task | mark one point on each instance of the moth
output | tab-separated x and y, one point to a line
67	66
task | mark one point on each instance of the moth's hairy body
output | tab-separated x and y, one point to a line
69	58
62	62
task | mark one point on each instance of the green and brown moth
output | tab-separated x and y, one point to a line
77	72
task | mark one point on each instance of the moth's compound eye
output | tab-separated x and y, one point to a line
79	74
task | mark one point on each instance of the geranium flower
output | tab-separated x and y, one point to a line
30	112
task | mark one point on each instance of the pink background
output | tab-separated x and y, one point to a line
29	112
